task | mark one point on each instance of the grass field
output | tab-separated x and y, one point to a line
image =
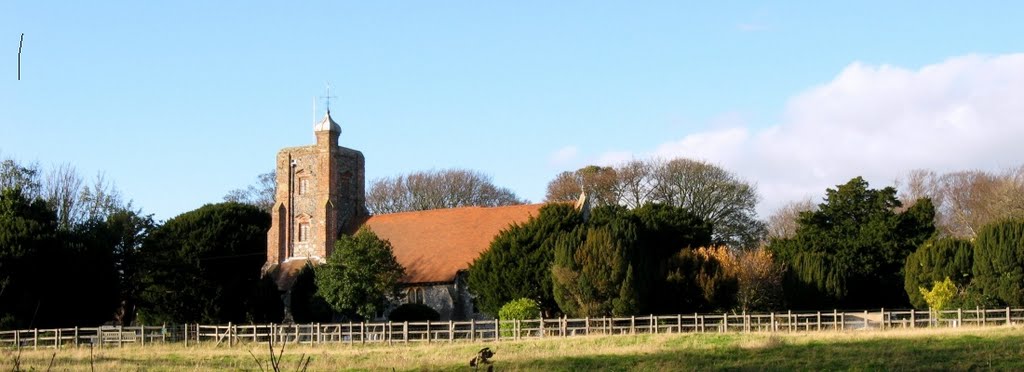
996	348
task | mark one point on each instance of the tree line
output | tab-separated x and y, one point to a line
77	254
673	236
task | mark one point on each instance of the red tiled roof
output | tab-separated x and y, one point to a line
434	245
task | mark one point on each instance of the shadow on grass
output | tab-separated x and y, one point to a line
950	353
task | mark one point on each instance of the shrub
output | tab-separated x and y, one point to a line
413	313
523	308
934	261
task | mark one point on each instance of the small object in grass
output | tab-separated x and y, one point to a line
482	357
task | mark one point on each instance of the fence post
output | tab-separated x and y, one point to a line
142	329
517	326
959	316
746	321
497	330
1008	321
586	325
632	324
789	319
542	326
319	336
725	323
451	331
913	318
984	315
35	338
885	320
679	323
564	326
56	341
842	319
76	336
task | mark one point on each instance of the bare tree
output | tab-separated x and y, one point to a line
260	195
601	184
101	199
966	200
62	189
435	189
714	194
782	223
636	183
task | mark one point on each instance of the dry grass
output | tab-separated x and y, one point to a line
928	349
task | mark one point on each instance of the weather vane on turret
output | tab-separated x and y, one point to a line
327	98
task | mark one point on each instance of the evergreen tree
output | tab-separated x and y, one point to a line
204	266
935	261
518	263
590	273
851	251
999	261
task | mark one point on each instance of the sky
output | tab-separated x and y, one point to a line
180	102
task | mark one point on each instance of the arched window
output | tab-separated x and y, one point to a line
414	296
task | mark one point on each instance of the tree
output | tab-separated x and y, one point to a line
27	235
261	194
937	260
22	177
714	194
518	262
592	273
999	261
425	190
360	276
965	201
204	266
758	280
851	251
783	222
600	183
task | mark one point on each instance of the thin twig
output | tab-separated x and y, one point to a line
297	366
306	365
258	362
270	345
52	357
277	367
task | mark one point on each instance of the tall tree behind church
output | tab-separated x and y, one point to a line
436	189
707	190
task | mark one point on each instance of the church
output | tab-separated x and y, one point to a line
321	194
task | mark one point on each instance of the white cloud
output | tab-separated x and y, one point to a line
564	155
878	122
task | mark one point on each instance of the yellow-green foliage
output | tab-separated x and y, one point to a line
940	295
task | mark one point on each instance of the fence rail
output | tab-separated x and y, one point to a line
494	330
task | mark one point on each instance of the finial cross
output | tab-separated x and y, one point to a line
327	98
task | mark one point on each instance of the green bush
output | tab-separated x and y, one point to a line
413	313
934	261
999	261
523	308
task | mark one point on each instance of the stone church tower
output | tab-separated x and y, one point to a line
320	192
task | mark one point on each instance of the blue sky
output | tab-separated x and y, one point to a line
179	102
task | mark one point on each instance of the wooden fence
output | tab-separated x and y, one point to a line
493	330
